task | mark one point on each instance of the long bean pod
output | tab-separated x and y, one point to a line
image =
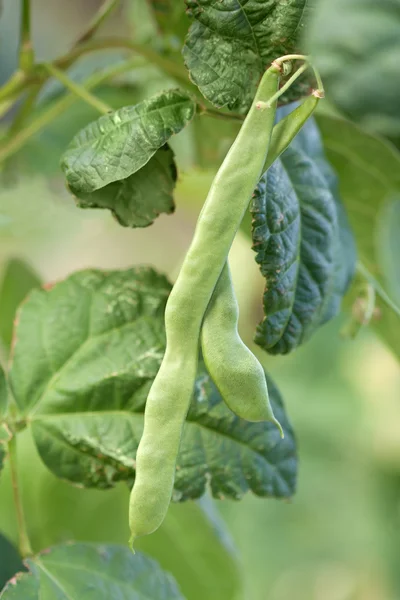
236	372
170	395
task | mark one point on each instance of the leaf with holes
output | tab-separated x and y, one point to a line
230	44
85	355
304	245
82	570
138	200
121	143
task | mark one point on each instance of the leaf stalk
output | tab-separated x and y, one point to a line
79	90
26	52
24	543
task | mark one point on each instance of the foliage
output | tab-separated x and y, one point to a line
300	240
227	50
72	570
85	351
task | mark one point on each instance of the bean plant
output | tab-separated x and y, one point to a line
127	378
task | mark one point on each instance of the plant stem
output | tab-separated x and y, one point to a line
5	106
178	72
13	87
362	269
287	57
212	112
49	114
19	81
22	114
24	110
285	87
78	90
24	543
26	54
105	9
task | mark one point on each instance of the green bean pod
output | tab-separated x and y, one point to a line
235	370
287	128
170	395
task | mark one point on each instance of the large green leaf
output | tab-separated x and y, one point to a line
356	46
120	143
94	337
309	140
303	243
369	175
230	44
138	200
73	571
230	455
18	280
85	356
218	574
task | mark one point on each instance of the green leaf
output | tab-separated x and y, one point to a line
85	356
138	200
309	140
120	143
10	562
303	243
82	570
18	280
42	153
218	575
94	337
369	175
230	455
356	47
230	44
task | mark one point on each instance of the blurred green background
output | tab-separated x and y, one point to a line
338	539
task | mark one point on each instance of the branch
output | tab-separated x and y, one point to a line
26	54
24	543
50	114
13	87
78	90
218	114
178	72
97	21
